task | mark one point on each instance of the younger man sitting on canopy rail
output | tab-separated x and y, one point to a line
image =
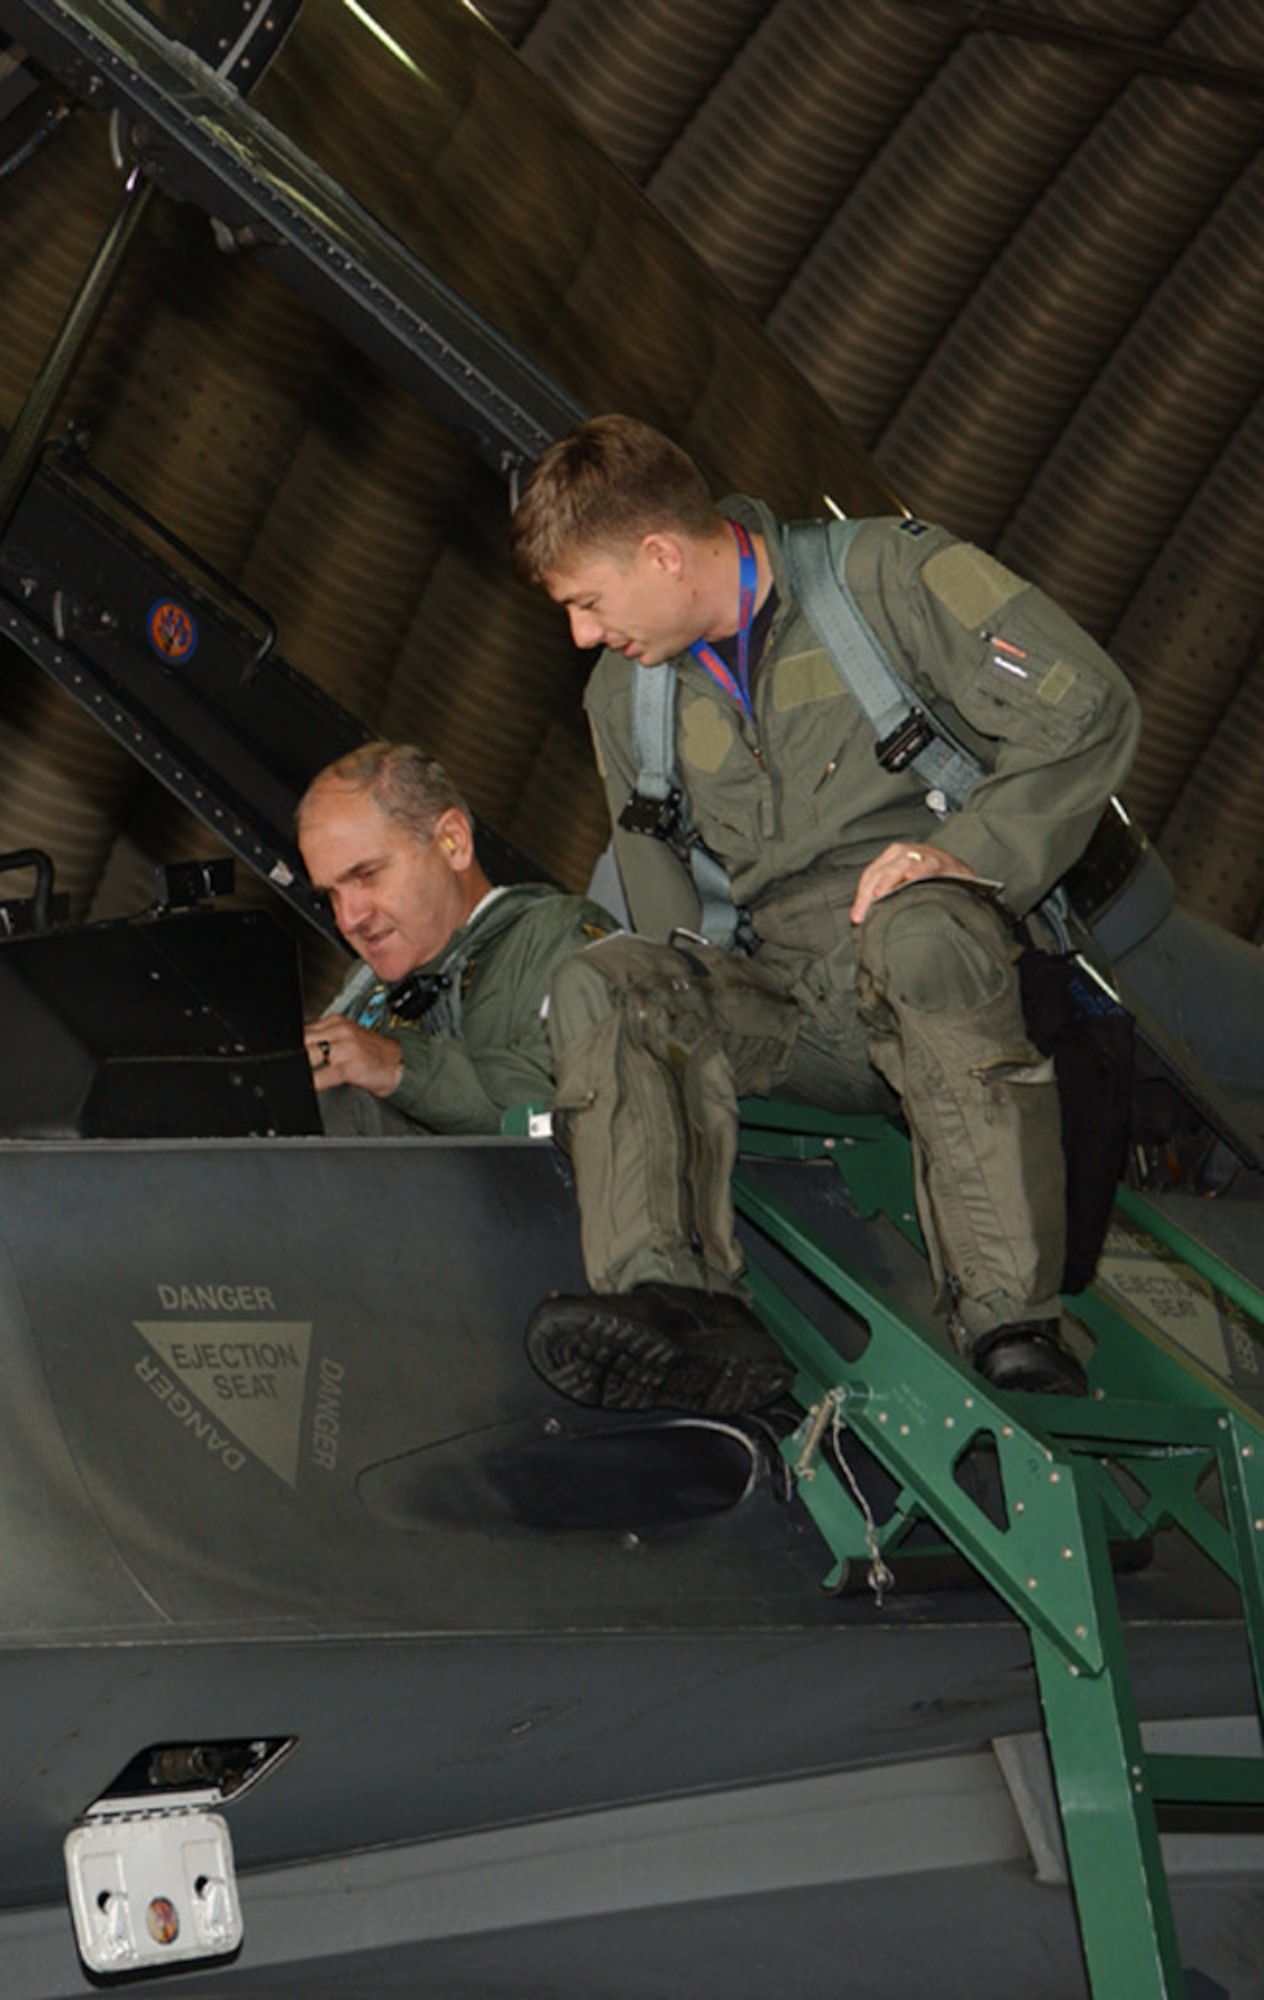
876	959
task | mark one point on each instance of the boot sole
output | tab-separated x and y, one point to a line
611	1364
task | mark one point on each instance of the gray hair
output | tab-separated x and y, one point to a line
401	780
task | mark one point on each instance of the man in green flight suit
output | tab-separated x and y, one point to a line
879	968
442	1027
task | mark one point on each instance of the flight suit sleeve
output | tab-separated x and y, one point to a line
659	889
444	1089
1055	713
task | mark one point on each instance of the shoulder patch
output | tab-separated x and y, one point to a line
912	526
969	583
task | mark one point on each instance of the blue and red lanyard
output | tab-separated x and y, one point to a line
738	686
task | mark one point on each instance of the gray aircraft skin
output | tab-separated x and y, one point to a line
502	1696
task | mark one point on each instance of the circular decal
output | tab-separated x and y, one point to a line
163	1921
173	631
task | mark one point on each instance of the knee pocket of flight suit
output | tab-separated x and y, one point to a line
597	1003
588	986
755	1024
938	989
663	1001
711	1017
932	949
678	1005
585	1031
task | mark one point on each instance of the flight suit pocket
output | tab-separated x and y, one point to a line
1027	691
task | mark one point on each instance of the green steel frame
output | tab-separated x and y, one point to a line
1037	1514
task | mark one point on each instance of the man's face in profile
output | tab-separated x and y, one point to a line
634	602
395	898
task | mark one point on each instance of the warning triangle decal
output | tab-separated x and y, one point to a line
1171	1296
249	1374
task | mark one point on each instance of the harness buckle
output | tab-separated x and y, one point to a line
906	741
413	997
663	819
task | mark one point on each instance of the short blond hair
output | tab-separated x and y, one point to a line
605	485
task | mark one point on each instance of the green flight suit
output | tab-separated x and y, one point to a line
483	1045
652	1049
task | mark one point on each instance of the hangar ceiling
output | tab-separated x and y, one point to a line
1019	249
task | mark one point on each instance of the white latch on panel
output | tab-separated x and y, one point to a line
152	1889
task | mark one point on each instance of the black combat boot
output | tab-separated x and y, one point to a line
1029	1355
658	1347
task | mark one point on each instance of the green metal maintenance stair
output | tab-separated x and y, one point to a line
1033	1491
